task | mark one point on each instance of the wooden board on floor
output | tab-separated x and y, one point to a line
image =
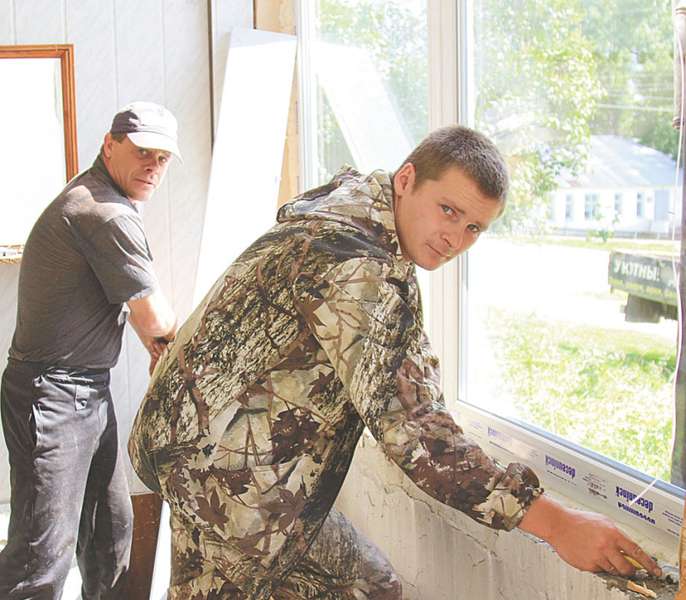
146	521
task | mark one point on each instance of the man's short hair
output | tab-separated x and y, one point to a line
468	150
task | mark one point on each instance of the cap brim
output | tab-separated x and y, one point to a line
157	141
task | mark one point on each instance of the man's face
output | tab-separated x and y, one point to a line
137	171
440	218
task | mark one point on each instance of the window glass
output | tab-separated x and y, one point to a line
591	210
570	311
370	61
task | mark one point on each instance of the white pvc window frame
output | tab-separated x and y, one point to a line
576	473
608	487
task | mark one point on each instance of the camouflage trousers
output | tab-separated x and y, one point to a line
341	564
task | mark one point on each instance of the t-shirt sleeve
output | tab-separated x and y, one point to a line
121	260
361	317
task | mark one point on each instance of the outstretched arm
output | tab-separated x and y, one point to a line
586	540
365	315
368	328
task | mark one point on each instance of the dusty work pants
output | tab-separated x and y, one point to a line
68	488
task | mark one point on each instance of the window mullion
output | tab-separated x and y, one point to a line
307	106
446	106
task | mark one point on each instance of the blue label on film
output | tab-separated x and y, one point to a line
558	465
630	503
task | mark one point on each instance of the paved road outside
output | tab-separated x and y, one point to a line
558	284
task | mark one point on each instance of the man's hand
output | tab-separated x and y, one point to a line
587	541
156	346
155	323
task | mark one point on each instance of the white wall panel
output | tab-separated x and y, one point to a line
139	34
9	279
225	16
187	89
7	22
248	149
90	27
48	28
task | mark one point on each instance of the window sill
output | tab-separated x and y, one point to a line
650	512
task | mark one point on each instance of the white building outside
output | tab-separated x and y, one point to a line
627	189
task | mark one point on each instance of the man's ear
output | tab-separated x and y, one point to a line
107	145
403	180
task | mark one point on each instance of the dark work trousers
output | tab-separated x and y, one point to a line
69	490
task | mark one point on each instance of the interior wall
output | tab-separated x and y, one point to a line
158	50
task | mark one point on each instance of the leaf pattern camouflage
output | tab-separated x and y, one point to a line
252	415
339	565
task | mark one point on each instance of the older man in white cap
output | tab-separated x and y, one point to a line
86	265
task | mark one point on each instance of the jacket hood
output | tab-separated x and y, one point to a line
364	202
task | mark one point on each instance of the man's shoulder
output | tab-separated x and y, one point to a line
310	250
340	241
89	200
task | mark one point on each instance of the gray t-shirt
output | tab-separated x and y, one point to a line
85	257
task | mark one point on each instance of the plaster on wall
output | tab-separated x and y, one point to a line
443	555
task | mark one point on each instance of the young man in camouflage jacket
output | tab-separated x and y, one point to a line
252	416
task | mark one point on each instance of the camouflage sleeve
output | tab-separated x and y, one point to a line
368	322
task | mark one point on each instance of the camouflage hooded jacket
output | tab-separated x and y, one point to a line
315	331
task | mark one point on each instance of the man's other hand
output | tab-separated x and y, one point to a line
585	540
155	347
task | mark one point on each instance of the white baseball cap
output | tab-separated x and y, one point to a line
148	125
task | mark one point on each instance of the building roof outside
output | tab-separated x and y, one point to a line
618	162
